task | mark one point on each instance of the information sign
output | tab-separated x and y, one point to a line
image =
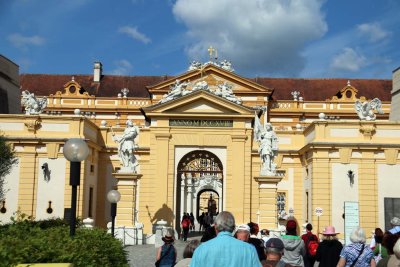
351	219
318	211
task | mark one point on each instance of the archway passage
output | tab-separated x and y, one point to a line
199	173
205	205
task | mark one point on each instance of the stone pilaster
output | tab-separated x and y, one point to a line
126	207
267	186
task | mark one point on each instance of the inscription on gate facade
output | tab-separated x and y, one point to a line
201	123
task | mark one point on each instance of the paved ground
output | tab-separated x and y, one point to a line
145	255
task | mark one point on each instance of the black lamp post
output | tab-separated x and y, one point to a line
113	197
75	150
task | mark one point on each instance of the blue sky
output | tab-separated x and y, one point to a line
265	38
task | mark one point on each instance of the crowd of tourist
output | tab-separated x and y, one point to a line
225	244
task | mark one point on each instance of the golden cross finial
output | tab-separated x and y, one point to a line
211	51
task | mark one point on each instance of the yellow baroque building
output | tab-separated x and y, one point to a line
200	143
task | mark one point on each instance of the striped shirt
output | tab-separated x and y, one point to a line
351	252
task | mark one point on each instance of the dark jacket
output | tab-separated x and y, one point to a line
259	245
328	253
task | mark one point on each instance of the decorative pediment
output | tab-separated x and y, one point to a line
347	94
73	88
198	104
213	76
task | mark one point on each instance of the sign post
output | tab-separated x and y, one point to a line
318	212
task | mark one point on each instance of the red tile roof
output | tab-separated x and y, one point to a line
322	89
111	85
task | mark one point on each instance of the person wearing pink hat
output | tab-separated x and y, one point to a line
328	252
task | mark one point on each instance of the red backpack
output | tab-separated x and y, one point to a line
312	246
185	223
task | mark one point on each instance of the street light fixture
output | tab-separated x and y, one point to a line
75	150
113	197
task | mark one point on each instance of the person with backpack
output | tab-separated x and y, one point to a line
311	242
185	226
328	252
294	246
166	254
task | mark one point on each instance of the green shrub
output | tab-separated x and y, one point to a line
49	242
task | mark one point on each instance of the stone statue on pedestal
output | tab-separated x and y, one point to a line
126	147
268	146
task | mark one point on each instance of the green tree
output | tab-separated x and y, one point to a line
7	160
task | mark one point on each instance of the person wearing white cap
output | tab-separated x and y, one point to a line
328	251
395	222
242	232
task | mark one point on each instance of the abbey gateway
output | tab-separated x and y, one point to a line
262	148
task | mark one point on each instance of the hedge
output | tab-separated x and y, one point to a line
49	242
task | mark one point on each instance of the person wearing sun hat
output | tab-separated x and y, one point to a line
395	222
294	246
328	252
166	254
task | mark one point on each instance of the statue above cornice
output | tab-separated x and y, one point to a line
179	89
33	105
224	64
365	110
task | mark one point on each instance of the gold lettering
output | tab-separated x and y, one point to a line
201	123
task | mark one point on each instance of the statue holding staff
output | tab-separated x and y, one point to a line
126	147
268	146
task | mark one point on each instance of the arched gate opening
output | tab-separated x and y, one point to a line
199	173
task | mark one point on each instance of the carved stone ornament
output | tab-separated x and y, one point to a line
204	181
367	130
224	64
33	125
179	89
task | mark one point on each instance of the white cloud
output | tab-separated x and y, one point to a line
123	67
348	60
135	34
21	41
372	31
258	36
24	65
